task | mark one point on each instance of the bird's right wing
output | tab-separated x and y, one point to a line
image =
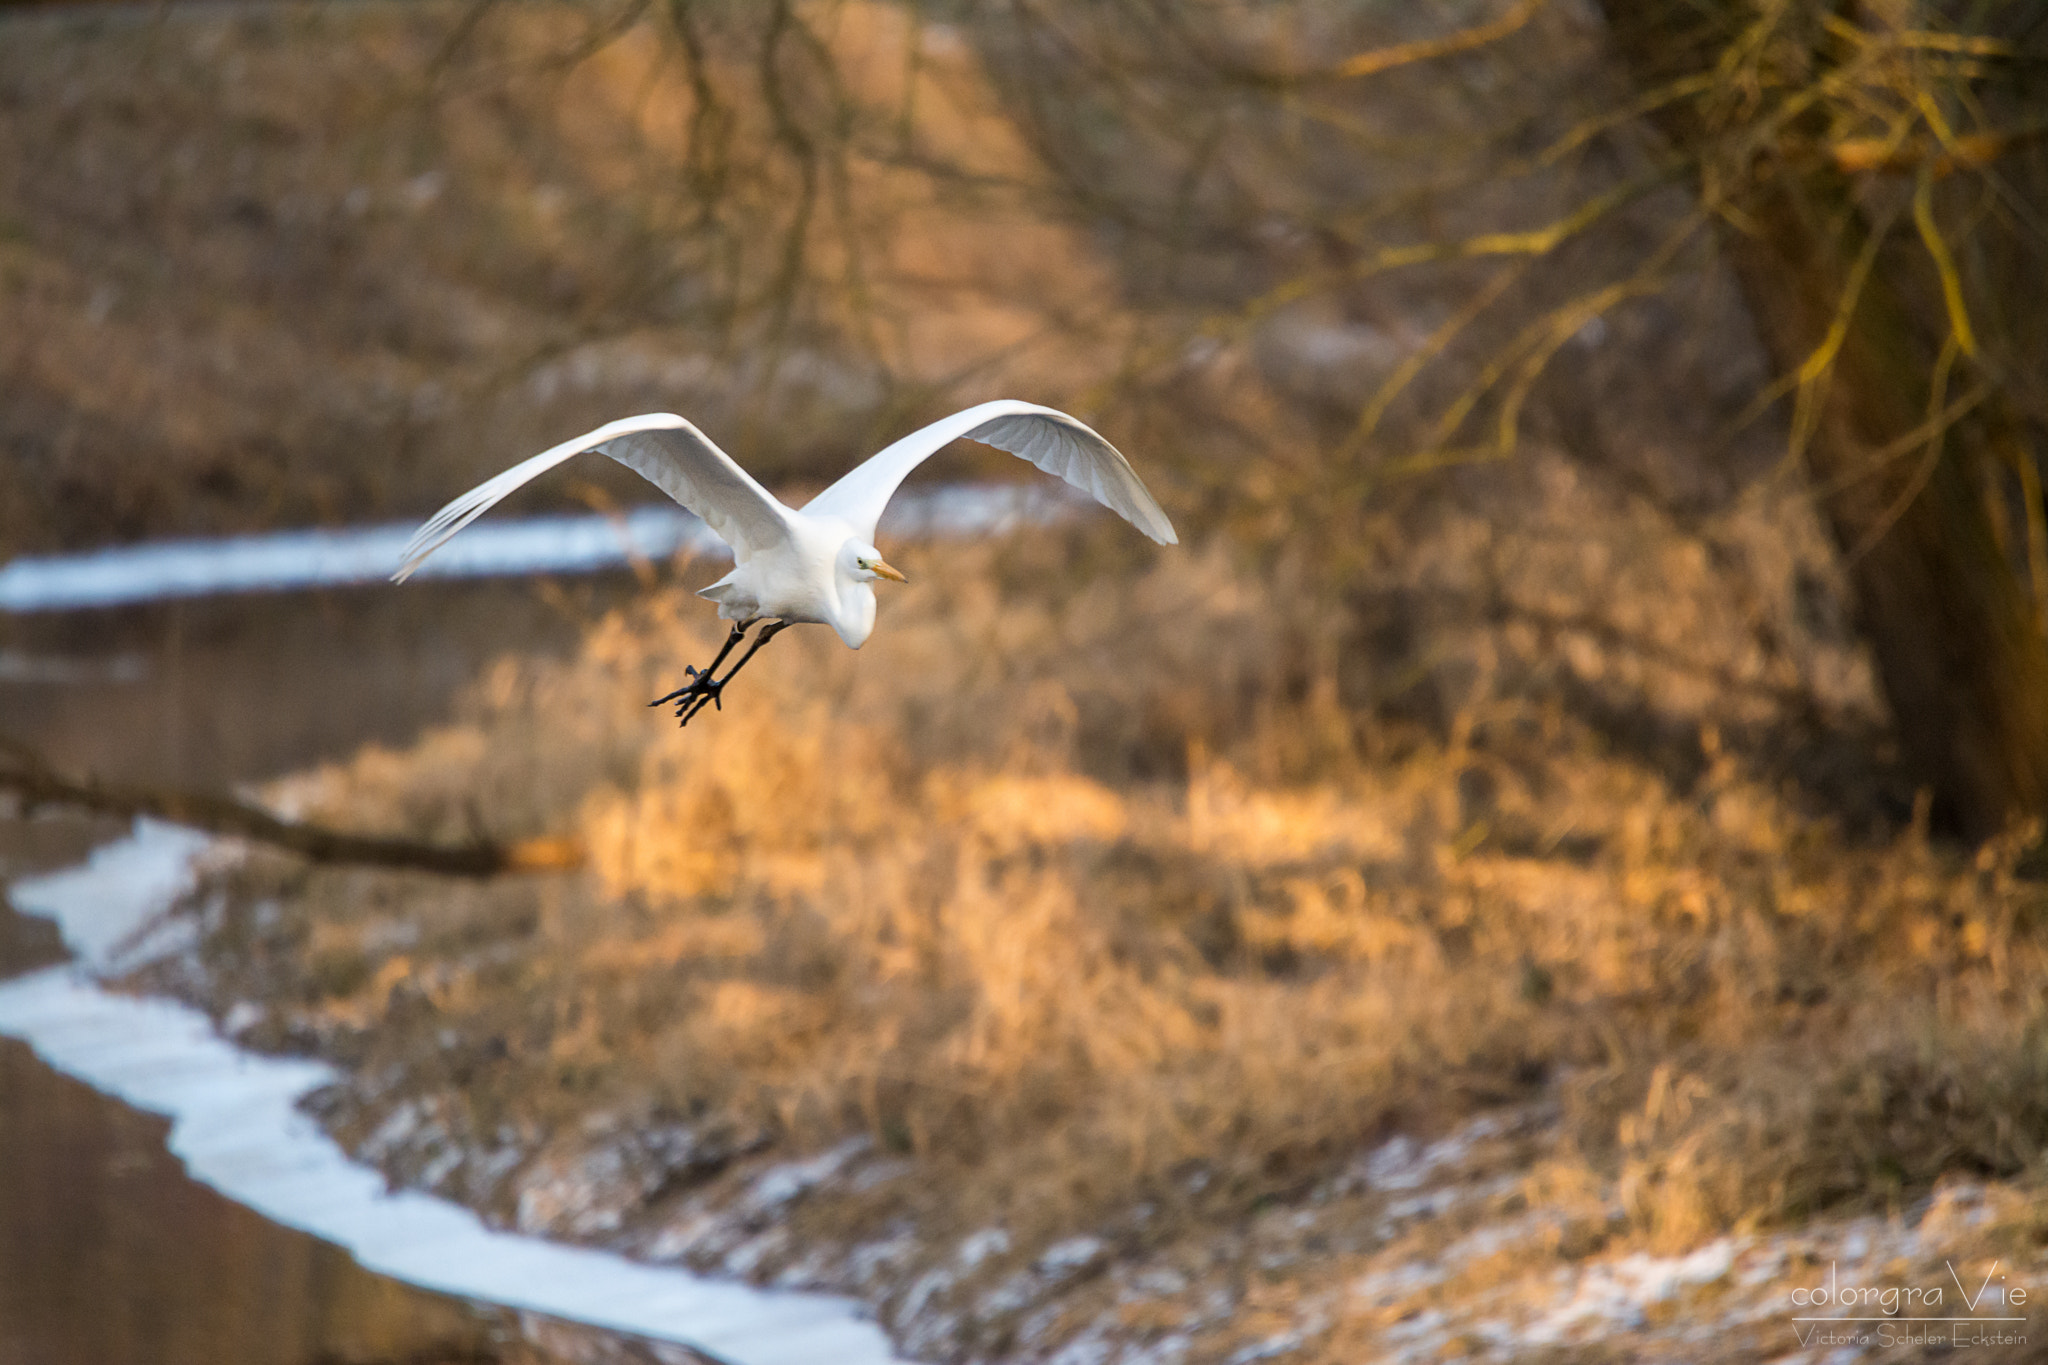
660	447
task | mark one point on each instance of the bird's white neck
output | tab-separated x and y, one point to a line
853	613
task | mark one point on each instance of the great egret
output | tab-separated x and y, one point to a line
819	563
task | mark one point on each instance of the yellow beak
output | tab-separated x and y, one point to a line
881	569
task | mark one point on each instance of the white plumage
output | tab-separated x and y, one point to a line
818	563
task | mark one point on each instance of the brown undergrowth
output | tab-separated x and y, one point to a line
1012	896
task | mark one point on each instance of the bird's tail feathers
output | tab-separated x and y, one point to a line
722	592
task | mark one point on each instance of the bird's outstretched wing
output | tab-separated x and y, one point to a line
1050	439
662	448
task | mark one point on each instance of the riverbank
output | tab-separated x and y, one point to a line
1439	1207
235	1127
1059	1012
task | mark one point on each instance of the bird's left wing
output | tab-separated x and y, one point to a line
662	448
1047	437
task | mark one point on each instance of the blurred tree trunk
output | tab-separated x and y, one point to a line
1953	627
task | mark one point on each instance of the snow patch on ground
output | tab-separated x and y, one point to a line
1619	1293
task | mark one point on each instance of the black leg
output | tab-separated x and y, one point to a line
712	688
699	681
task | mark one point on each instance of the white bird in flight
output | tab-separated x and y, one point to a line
817	563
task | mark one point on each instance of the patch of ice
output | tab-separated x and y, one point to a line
1154	1282
929	1285
1400	1164
743	1259
310	559
399	1125
808	1273
933	1334
780	1184
1038	1328
1089	1348
1391	1286
440	1167
1768	1268
683	1236
872	1261
1013	1295
1618	1293
1072	1256
245	1015
1421	1325
1392	1165
1277	1345
494	1164
1429	1204
878	1173
1489	1238
977	1247
582	1193
1171	1349
122	887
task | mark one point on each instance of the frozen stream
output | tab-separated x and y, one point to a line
493	547
236	1127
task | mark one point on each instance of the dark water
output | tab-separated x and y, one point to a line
236	689
109	1255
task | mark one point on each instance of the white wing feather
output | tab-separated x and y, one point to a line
662	448
1047	437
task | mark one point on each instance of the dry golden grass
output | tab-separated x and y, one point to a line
1023	892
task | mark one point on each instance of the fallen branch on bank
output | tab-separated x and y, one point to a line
29	777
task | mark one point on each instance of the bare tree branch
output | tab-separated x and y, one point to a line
25	773
1450	45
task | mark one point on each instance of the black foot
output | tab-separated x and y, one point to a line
703	687
690	698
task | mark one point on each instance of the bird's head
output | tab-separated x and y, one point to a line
864	563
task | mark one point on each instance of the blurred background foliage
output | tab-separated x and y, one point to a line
1316	262
1607	439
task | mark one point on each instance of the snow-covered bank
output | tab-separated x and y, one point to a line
553	545
236	1126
